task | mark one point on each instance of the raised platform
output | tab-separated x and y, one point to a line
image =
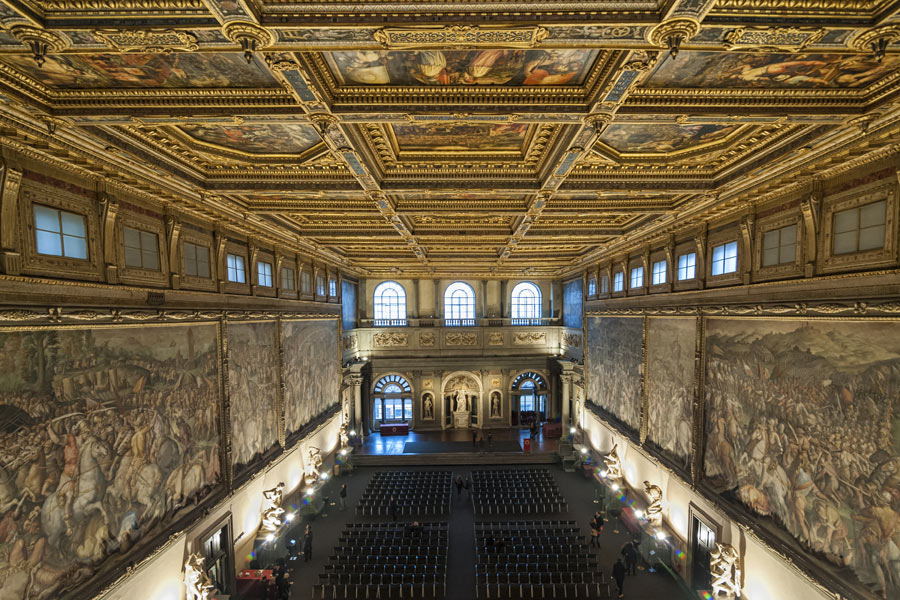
455	447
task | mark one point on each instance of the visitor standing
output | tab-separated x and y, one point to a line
468	486
342	496
393	508
619	575
595	533
474	438
307	543
631	557
459	485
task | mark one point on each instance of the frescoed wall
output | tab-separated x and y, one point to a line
107	434
253	390
670	385
573	299
802	422
311	370
613	366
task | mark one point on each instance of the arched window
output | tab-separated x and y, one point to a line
459	305
526	304
390	305
391	400
529	394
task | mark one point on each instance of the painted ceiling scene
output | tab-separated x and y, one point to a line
414	139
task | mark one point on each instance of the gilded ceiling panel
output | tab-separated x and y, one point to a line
441	137
462	67
272	139
754	70
663	138
171	71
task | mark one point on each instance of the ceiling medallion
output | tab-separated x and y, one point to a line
461	36
249	36
151	41
671	34
40	41
772	39
876	40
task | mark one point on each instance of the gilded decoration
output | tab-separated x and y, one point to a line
495	338
573	340
390	339
772	39
461	35
149	41
426	339
350	342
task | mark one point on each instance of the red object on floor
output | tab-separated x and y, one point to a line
255	583
394	429
526	445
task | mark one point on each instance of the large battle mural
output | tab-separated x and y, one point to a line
462	67
105	434
252	385
459	136
614	366
312	370
670	385
803	425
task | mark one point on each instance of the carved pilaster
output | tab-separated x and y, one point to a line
109	209
645	261
748	227
809	207
252	255
220	242
700	242
173	235
671	267
9	212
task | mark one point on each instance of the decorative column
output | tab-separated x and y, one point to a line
356	380
566	385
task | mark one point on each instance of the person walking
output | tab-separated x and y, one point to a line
595	533
342	496
307	543
393	508
618	571
468	486
631	558
459	485
490	440
474	437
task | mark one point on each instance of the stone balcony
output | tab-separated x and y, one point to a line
424	338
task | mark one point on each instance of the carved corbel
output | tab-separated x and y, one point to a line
220	240
109	209
700	243
645	262
748	227
173	235
249	36
9	214
252	255
673	33
876	40
809	207
670	262
40	41
276	276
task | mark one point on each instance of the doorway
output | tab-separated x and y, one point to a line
703	542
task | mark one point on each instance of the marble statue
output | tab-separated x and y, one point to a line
613	464
725	570
196	584
654	510
428	406
495	404
271	509
313	463
344	435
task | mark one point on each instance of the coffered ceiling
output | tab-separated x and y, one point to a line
438	138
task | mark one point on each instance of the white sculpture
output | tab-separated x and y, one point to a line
613	464
344	436
196	584
654	510
313	462
725	570
271	509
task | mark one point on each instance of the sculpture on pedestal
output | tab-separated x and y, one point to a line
654	510
344	435
196	584
271	509
725	571
613	464
313	463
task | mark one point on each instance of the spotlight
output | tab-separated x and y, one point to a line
289	517
660	535
615	487
343	453
310	491
584	450
270	537
352	432
639	514
572	430
603	474
323	476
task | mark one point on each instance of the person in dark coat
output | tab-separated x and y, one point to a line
342	496
307	543
631	558
393	508
474	438
595	533
468	485
459	484
618	571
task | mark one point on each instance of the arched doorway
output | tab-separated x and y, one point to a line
529	398
391	401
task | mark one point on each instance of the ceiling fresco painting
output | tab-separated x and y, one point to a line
256	139
168	71
504	137
770	71
456	67
662	138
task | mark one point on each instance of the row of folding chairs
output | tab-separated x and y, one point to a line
412	540
530	565
507	549
533	527
419	565
382	508
547	575
543	590
396	527
410	475
391	550
379	592
381	578
496	507
552	536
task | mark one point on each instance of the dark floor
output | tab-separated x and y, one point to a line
461	573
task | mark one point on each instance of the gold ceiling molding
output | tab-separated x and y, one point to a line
149	41
772	39
281	62
672	34
40	41
249	36
461	36
876	40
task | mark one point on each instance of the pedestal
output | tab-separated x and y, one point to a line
461	420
